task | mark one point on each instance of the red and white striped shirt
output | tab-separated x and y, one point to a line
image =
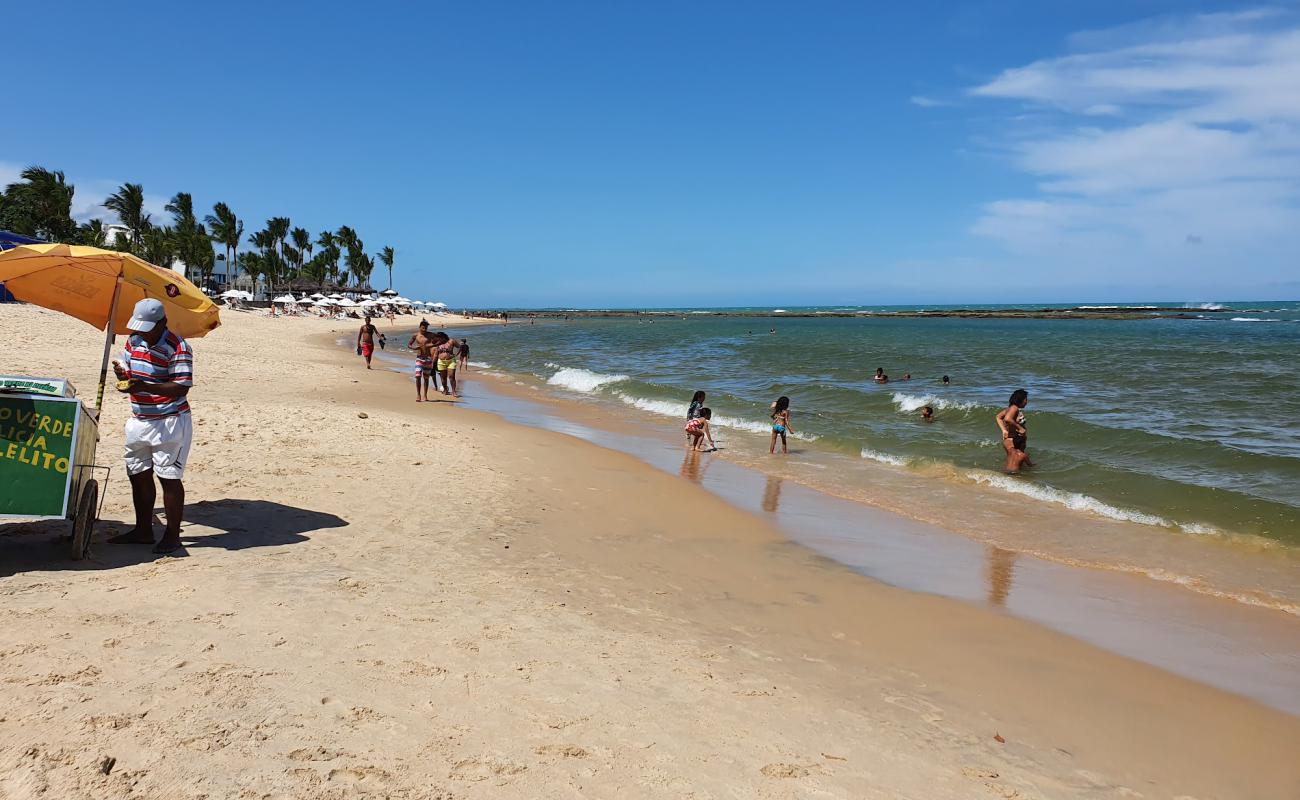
171	360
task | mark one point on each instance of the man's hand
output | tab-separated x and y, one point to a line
119	371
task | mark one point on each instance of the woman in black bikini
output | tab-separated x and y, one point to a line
1011	421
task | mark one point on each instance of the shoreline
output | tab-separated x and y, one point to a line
983	504
568	621
1142	616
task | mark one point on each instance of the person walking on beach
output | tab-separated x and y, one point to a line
366	340
446	350
464	354
780	424
383	341
1011	421
697	429
157	371
423	346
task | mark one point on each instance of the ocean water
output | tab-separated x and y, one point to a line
1187	425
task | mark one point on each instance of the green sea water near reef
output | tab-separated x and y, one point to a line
1189	423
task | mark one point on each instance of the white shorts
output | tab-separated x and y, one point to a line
161	445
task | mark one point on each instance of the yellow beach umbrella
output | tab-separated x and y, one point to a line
96	285
81	281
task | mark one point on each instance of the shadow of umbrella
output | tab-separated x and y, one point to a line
239	525
253	523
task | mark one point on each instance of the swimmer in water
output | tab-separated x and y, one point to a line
927	413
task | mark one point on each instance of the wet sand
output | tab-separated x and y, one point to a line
1245	648
429	601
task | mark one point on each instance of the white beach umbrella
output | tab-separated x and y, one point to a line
324	302
389	293
285	298
401	301
336	296
346	303
236	294
316	296
438	305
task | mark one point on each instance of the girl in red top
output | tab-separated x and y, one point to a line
698	430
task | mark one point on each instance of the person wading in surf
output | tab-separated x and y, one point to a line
1011	421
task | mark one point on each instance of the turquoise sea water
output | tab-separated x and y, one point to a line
1189	424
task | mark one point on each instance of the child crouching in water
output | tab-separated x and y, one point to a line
698	430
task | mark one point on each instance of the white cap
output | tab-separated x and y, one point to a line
148	312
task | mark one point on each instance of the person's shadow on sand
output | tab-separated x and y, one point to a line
240	525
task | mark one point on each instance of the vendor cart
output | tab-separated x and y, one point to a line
47	456
47	437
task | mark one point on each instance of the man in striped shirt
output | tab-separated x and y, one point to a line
157	370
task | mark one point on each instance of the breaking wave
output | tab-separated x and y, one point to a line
582	380
1079	502
909	403
884	458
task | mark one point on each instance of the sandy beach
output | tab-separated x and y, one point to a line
386	599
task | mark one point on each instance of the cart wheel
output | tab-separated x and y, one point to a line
83	525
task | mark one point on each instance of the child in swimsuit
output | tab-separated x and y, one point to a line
697	428
780	423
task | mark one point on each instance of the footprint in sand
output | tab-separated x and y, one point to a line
358	775
784	771
988	777
561	751
923	708
315	754
481	769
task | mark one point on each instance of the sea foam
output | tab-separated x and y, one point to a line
670	409
884	458
909	403
1072	500
582	380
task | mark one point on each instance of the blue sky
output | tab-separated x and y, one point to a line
535	154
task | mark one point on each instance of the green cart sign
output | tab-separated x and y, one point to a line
37	443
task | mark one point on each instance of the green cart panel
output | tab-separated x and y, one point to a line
38	454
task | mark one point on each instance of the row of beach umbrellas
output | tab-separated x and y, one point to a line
388	298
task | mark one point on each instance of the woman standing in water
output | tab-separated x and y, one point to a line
780	424
1011	421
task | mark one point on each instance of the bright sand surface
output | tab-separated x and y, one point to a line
430	602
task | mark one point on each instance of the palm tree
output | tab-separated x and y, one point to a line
227	229
41	205
181	207
386	256
328	245
128	203
193	245
92	233
302	241
159	246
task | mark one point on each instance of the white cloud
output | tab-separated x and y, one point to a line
927	102
1160	133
